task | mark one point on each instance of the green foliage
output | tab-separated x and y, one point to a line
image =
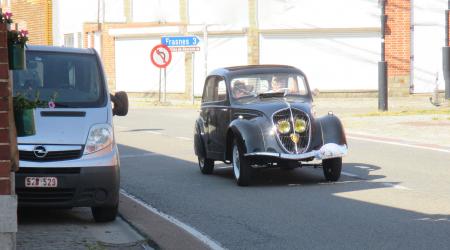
23	101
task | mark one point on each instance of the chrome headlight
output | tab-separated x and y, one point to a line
100	136
300	125
283	127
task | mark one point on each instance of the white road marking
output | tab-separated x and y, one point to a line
153	132
434	220
362	167
348	174
184	138
395	186
399	144
137	155
194	232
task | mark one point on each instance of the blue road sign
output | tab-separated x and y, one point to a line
180	41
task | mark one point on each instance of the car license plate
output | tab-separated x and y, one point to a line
41	182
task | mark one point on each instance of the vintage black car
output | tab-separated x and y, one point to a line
261	116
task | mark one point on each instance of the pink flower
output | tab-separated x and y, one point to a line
23	33
51	105
8	15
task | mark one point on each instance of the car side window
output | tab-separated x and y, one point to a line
215	90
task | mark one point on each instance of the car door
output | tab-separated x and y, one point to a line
216	116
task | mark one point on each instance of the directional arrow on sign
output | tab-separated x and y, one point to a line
180	41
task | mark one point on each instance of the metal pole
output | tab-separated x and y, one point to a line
205	42
159	93
193	78
165	85
446	56
382	65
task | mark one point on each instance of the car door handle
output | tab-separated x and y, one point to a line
224	109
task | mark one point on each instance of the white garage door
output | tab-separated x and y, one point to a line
136	73
330	61
222	51
429	36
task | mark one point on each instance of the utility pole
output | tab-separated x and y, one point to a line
382	65
446	56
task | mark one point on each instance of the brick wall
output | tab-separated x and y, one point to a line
397	41
8	148
36	17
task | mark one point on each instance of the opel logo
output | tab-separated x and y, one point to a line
40	151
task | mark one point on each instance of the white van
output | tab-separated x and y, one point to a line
72	160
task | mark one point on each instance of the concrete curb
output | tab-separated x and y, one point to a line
160	228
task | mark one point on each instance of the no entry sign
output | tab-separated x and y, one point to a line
161	56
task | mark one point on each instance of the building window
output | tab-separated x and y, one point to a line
69	40
80	40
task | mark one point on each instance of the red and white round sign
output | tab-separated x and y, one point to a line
161	56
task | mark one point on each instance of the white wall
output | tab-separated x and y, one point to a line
136	73
232	13
156	11
429	36
306	14
222	51
69	15
331	62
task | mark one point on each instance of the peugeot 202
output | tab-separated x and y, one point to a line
261	116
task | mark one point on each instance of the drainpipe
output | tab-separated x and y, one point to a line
382	65
446	56
411	49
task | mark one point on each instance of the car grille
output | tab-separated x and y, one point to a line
51	156
43	195
286	139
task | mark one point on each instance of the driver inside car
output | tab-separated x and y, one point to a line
239	89
278	83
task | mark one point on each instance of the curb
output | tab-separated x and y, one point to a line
164	230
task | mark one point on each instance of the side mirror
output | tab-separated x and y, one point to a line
315	92
120	101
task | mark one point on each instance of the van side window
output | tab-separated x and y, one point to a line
215	90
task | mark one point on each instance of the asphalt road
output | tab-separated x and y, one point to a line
389	197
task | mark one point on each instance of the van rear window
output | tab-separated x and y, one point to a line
70	80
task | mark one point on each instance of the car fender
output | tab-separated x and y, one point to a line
199	140
331	130
248	132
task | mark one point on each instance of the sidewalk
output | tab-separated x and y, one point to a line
73	229
412	119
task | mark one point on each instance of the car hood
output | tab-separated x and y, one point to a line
268	106
64	126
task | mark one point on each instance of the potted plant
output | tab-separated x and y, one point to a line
17	41
24	106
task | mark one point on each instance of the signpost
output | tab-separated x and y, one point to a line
183	44
161	56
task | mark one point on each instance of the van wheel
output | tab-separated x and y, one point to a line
332	168
105	214
206	165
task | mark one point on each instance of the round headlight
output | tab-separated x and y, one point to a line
284	126
300	126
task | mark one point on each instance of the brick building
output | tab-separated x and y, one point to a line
337	45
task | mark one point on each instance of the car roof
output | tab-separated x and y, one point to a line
255	69
60	49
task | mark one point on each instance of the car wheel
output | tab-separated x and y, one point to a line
105	214
206	165
241	169
332	168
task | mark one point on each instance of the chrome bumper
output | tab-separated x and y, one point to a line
327	151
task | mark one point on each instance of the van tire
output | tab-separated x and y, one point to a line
105	214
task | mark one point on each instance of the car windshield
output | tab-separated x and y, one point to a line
69	80
248	87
